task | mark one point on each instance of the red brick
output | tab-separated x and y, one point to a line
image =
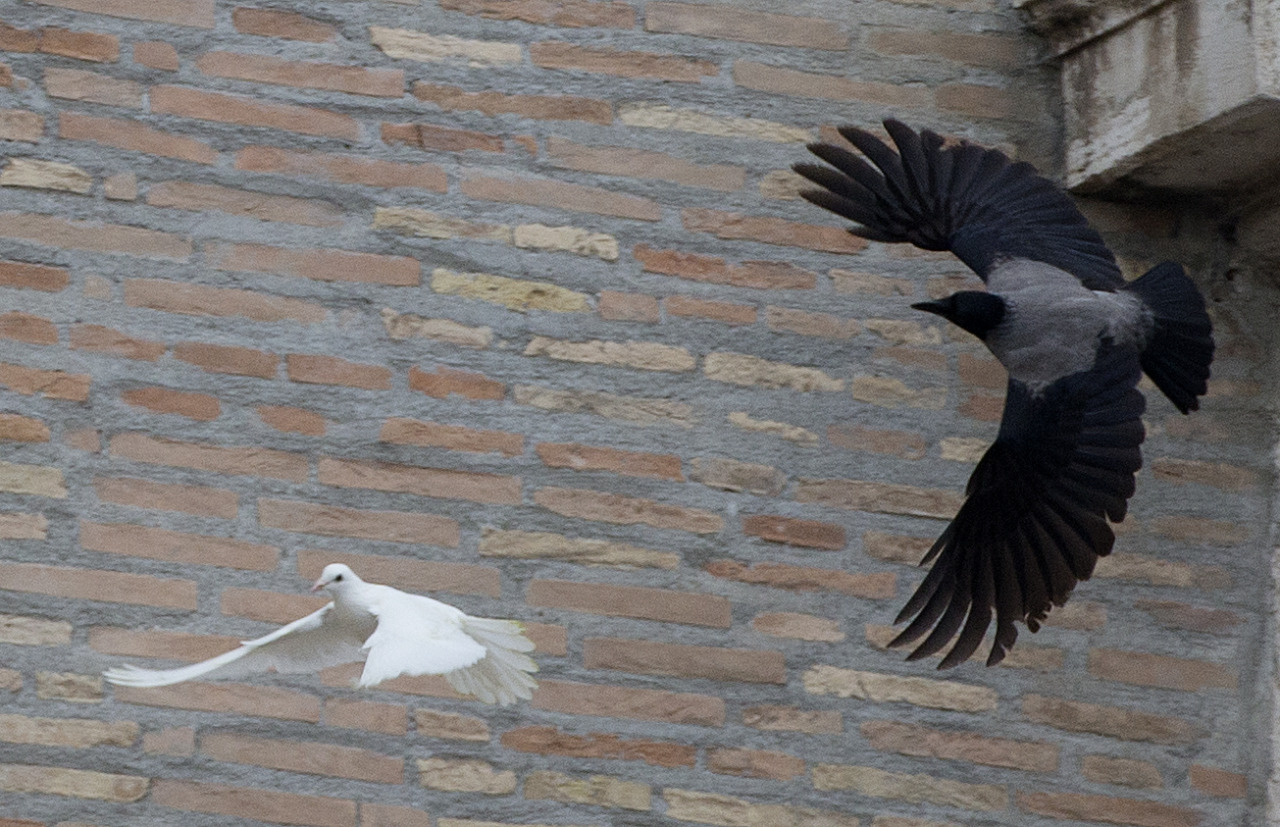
176	547
1145	669
879	585
783	80
334	521
440	138
804	323
23	327
156	54
878	497
18	124
1215	474
1182	616
245	111
594	458
452	437
346	169
42	277
201	300
638	163
424	482
443	382
615	508
246	802
537	107
547	740
762	275
191	499
982	372
754	763
195	13
292	420
100	48
354	80
239	361
733	226
567	13
77	84
795	532
391	815
18	428
734	23
627	702
101	339
309	757
556	54
910	739
903	444
186	195
1108	809
1124	772
322	264
135	137
1218	782
790	719
330	370
83	439
92	584
391	719
269	607
994	51
13	39
114	640
54	384
631	601
283	24
727	312
712	662
199	406
976	100
560	195
221	459
228	699
628	307
424	576
1112	721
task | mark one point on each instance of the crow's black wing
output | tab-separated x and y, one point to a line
965	198
1034	521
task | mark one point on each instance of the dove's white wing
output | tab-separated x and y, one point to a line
308	644
502	676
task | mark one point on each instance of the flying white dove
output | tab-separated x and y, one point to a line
393	632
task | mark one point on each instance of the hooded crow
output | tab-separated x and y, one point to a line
1074	337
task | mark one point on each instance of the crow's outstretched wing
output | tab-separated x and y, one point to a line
964	198
1034	521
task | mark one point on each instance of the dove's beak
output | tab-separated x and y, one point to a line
318	585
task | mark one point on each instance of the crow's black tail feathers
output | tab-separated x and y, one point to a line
1179	348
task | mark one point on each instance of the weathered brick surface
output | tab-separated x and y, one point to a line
517	303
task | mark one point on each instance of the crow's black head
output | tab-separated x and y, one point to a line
973	310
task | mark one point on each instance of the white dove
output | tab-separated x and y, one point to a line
393	632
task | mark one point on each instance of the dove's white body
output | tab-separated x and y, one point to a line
393	632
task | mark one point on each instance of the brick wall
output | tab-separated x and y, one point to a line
513	302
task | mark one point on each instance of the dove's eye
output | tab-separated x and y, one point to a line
336	579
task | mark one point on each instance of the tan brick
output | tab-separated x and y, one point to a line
825	325
647	115
331	370
515	294
1218	782
560	195
156	54
763	275
227	699
574	240
465	775
18	526
567	13
54	384
726	811
538	545
615	508
186	195
879	585
283	24
424	482
18	428
101	339
99	48
791	719
321	264
1145	669
253	803
71	687
978	100
444	382
732	475
631	601
335	521
1215	474
402	326
436	724
877	497
200	300
548	740
1081	615
1112	721
741	369
409	575
174	546
428	224
537	107
246	111
221	459
21	125
453	437
93	584
1109	809
754	763
1198	530
288	419
638	163
20	274
1126	772
879	688
962	449
196	13
1157	572
887	392
782	80
718	311
405	44
913	788
43	780
33	173
309	757
201	500
199	406
595	458
93	236
798	626
732	23
1183	616
733	226
391	719
985	50
910	739
597	790
905	444
555	54
792	433
354	80
20	630
632	354
36	480
239	361
636	410
178	741
681	660
77	84
391	815
627	702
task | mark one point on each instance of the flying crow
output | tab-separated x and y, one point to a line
1074	337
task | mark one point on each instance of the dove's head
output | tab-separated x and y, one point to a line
335	577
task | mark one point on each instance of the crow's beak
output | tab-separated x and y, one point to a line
935	307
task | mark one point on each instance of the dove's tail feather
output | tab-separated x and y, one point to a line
130	675
501	676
